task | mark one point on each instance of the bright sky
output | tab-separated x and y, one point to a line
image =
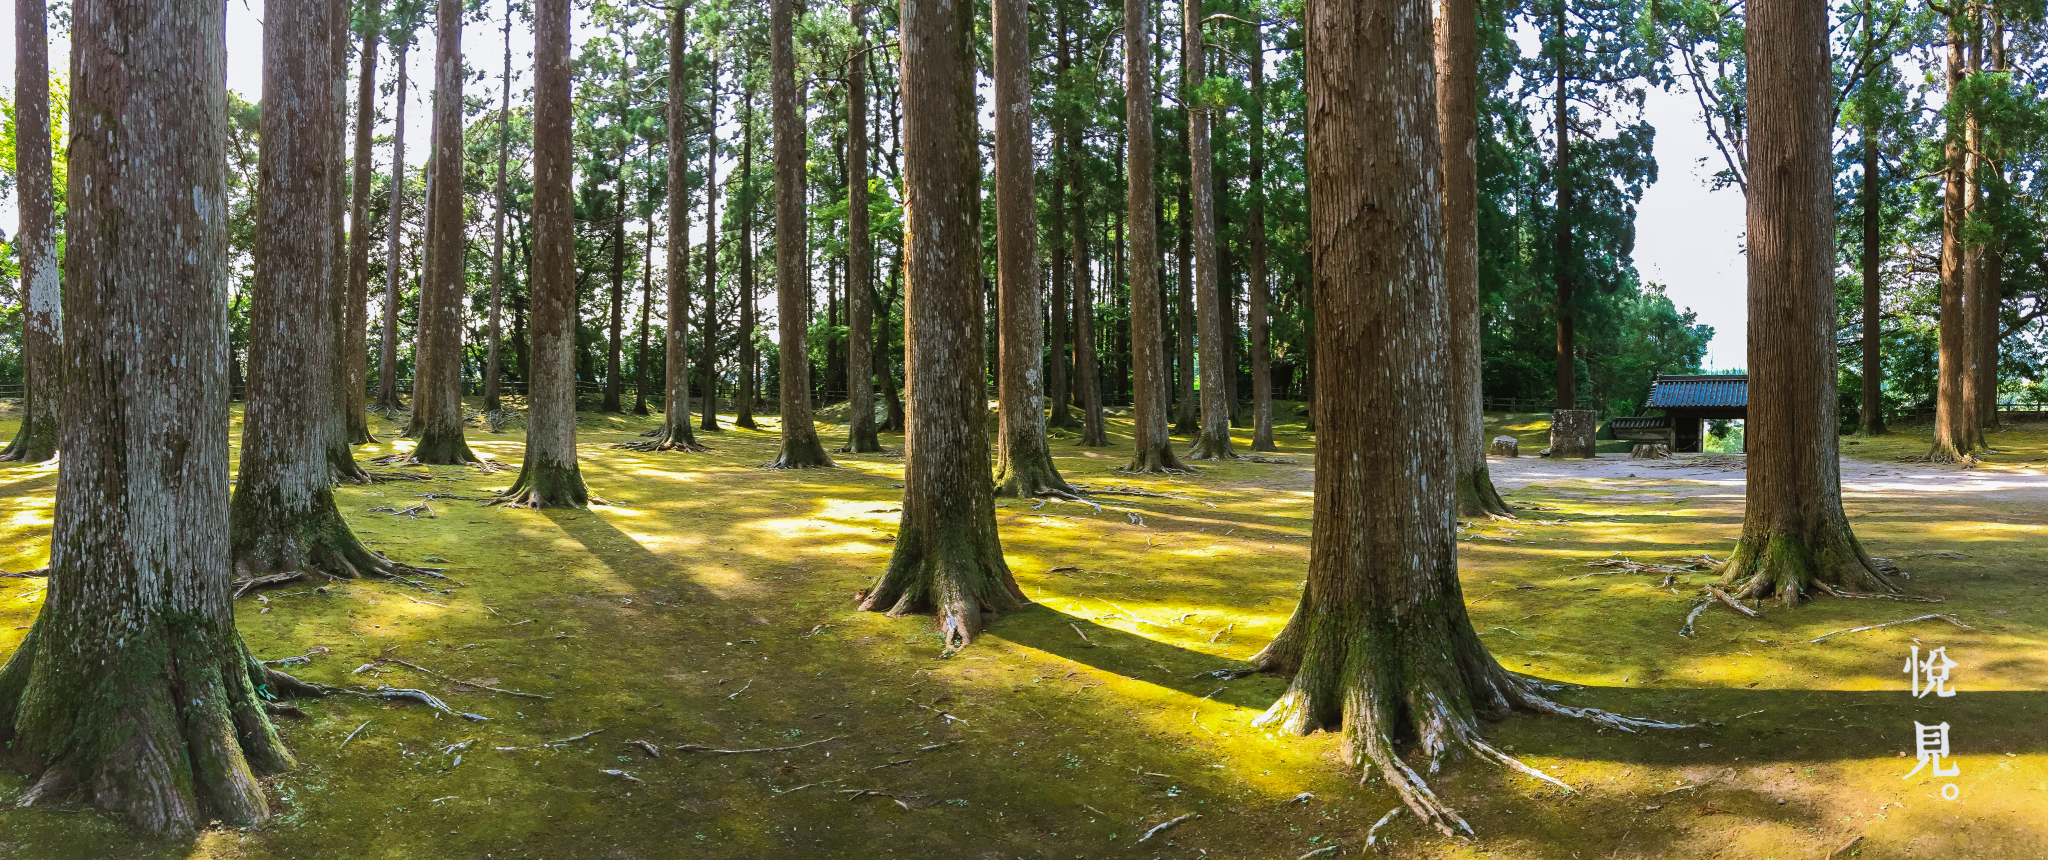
1688	238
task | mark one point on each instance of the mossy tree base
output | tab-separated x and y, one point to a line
546	486
444	449
266	539
35	442
1033	475
1477	496
801	453
1093	435
948	566
1157	459
862	440
1212	446
1791	567
673	436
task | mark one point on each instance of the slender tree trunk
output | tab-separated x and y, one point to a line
1261	325
1871	413
743	400
355	299
1561	267
707	351
1795	538
493	407
892	394
437	382
1153	449
1059	369
1213	441
675	433
612	381
387	348
550	476
1457	99
1974	395
132	693
1956	425
1087	370
283	516
1184	308
342	395
35	241
1380	647
948	558
1990	288
861	436
646	307
800	446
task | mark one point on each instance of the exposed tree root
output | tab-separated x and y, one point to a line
1791	567
272	546
952	567
1156	460
803	453
1478	497
1209	447
1033	475
665	438
557	485
34	442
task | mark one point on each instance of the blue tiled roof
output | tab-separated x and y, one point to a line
1699	391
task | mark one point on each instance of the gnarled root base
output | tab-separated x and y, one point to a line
444	449
1211	447
1951	455
1157	460
806	454
272	547
35	442
866	441
1790	567
1034	477
957	574
1478	498
545	486
666	439
343	468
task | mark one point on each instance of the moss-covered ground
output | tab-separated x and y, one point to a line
711	603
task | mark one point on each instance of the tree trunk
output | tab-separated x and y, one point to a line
1149	397
743	400
800	446
612	382
1213	440
707	350
1261	331
861	437
35	241
1024	465
675	433
1380	646
1871	414
437	376
1087	372
1975	395
1956	426
355	299
387	348
1059	370
340	401
283	516
493	408
646	307
1795	537
1990	287
1561	268
1184	307
549	476
948	557
133	690
1457	99
892	394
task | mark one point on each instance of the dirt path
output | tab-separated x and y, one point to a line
1717	474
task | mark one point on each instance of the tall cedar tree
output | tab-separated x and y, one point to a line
1087	372
1024	464
1153	450
1795	538
1255	230
35	241
861	436
284	522
133	692
387	351
1870	414
948	557
1457	100
1380	645
1059	376
1212	442
355	299
675	433
743	400
1188	423
647	309
437	373
707	352
550	476
341	396
800	446
1957	429
493	405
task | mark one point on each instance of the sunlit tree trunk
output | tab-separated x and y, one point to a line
1087	368
437	375
355	298
707	351
750	385
675	433
35	241
1561	266
1795	538
1871	414
549	476
493	408
1956	425
948	559
1213	441
646	307
860	375
1184	309
387	349
1457	98
800	446
1255	229
1153	450
613	384
340	392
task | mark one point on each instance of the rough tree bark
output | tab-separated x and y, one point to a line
1024	465
1187	423
948	558
800	446
1087	370
437	375
387	348
550	476
355	299
612	383
675	433
1255	229
1059	376
35	241
1561	270
743	399
341	394
707	351
493	405
1380	646
646	309
1213	440
1984	317
1149	401
1795	538
1956	425
1457	100
1870	417
283	517
861	435
133	692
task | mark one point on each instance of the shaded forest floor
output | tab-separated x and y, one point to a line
711	603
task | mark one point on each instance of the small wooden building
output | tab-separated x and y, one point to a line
1687	403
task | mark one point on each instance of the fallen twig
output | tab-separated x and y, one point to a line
1845	849
1372	836
1166	826
1322	852
572	740
1084	636
651	750
705	749
423	669
425	698
621	775
1948	618
1698	607
352	735
294	661
749	685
